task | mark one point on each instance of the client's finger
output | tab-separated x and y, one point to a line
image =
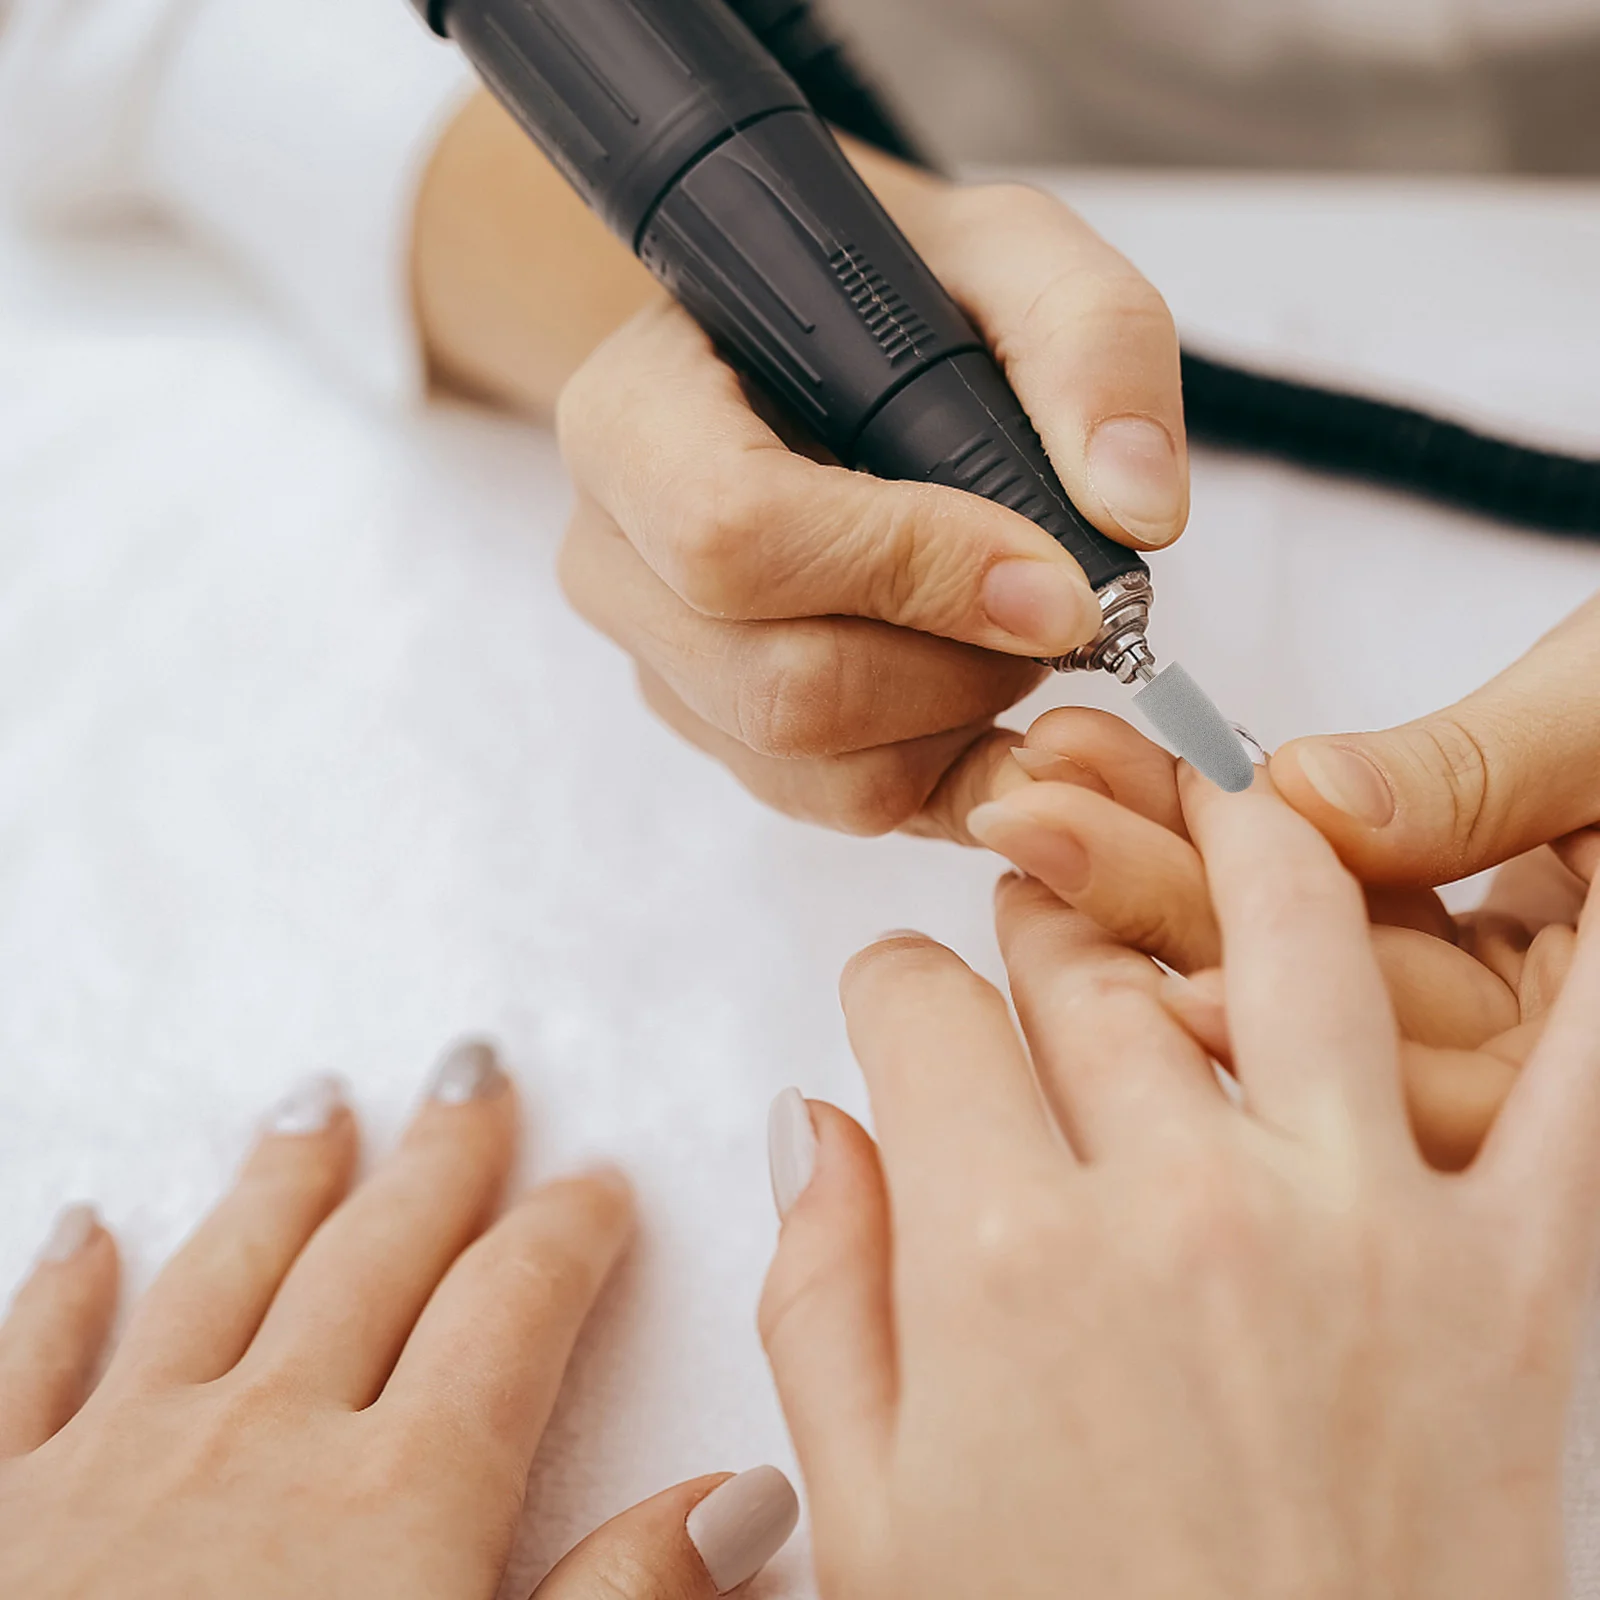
1112	1060
1452	1094
352	1298
953	1094
1442	995
1074	744
1136	878
826	1319
1314	1037
203	1310
55	1330
487	1356
701	1539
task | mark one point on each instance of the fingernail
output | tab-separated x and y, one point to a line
791	1149
307	1108
69	1233
1041	604
1045	766
469	1071
1052	854
1348	781
898	933
742	1524
1133	468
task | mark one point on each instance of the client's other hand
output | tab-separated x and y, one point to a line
1103	826
1192	1348
332	1395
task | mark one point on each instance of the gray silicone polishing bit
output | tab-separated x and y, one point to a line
1183	714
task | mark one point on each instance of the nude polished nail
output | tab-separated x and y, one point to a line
1134	469
742	1524
791	1149
1348	781
468	1071
73	1228
308	1108
1052	854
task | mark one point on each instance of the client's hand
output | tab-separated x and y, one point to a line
1190	1349
843	644
1104	828
329	1396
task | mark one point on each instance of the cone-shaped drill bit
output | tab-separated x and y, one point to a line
1184	715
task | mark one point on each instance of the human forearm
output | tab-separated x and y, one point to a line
516	280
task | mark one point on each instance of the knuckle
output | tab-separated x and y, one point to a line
873	794
710	556
1457	753
1017	1244
620	1571
794	695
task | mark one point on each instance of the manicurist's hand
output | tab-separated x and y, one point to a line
1130	1338
1513	766
337	1395
843	645
1102	824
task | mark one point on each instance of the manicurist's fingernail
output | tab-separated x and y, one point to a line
742	1524
1053	854
1043	605
468	1071
1133	468
791	1149
308	1108
1348	781
69	1233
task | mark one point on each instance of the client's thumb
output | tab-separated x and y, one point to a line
1515	765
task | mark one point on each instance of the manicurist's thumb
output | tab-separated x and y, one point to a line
1514	765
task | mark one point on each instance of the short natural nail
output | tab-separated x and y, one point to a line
307	1108
1134	469
791	1149
742	1524
1348	781
1045	766
1042	604
73	1228
468	1071
1052	854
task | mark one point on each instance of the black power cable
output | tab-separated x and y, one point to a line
1347	434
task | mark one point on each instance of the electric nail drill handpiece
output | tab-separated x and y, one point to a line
679	128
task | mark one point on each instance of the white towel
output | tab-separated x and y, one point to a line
304	764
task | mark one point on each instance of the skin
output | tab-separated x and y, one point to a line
326	1393
1097	817
836	641
1128	1338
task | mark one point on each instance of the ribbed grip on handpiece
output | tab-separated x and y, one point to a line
960	424
679	128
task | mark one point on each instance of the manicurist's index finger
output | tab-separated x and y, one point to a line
1088	344
658	430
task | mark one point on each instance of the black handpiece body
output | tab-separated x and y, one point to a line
679	128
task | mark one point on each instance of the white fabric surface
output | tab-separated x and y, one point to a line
304	765
288	134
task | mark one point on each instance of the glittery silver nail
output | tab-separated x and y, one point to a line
469	1071
307	1108
73	1228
